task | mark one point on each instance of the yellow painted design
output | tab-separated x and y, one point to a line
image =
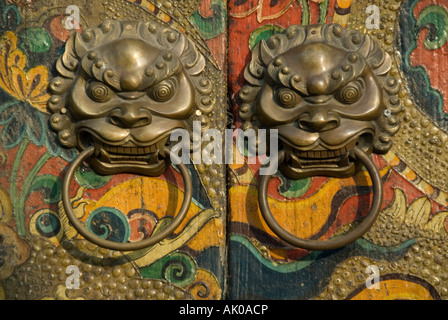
344	4
391	158
409	174
15	251
156	195
148	256
205	286
238	163
211	234
412	177
28	86
395	289
417	214
5	206
303	218
342	19
79	205
261	15
200	228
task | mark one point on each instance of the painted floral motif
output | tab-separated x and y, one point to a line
24	120
24	95
27	86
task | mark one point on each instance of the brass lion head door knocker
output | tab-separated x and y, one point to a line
328	92
122	89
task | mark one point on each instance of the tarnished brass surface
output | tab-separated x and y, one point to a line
105	274
326	90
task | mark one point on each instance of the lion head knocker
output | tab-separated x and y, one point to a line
328	92
122	89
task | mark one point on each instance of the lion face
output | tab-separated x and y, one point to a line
320	122
130	126
123	88
326	90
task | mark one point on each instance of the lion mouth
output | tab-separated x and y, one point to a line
149	160
129	153
320	157
126	155
323	161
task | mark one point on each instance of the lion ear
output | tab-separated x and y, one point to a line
68	62
379	61
264	53
385	66
194	61
198	67
78	46
366	46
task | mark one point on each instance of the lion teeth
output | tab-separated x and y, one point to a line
120	150
321	154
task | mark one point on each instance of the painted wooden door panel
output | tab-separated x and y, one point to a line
223	249
40	248
403	256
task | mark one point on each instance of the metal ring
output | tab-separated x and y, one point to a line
336	242
188	193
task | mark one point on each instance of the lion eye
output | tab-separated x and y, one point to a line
286	97
99	92
163	91
350	93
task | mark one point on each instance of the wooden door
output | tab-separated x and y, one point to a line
127	207
404	253
223	249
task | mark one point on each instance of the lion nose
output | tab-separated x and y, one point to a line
318	121
130	117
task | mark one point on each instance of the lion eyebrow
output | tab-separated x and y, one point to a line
280	73
351	68
164	66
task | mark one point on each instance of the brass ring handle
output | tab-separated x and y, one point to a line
188	193
336	242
